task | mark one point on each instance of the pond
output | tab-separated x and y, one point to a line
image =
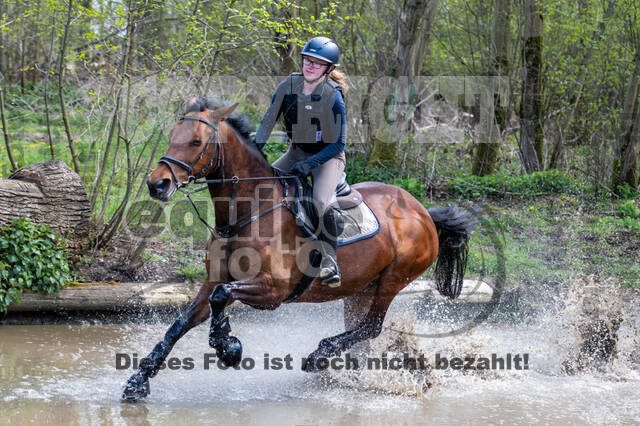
68	374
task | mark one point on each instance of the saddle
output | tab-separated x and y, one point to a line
356	219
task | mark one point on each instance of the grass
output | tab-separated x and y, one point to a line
192	273
550	242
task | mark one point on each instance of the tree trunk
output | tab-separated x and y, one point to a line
424	38
46	93
63	46
409	25
288	51
486	155
49	192
629	172
531	132
22	67
3	55
625	165
576	93
5	132
109	297
398	105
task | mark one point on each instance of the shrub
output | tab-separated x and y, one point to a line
359	170
528	185
274	150
628	209
411	185
192	273
626	192
32	258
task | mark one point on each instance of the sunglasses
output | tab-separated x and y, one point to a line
313	64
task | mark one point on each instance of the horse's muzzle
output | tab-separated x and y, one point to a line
160	189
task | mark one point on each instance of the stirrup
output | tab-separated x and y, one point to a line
333	281
330	275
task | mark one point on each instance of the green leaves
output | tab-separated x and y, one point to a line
500	184
32	258
411	185
628	209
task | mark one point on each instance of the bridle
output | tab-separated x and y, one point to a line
170	161
232	228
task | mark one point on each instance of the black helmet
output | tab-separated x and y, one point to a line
322	48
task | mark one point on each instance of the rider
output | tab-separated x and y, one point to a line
314	115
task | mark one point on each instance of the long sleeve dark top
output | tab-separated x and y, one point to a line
316	123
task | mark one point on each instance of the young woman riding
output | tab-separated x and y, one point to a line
314	114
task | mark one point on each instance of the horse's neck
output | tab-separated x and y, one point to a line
241	161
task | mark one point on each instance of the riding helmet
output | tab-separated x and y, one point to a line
322	48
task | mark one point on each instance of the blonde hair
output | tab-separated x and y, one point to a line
340	78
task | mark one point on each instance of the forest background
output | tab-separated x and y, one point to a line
532	106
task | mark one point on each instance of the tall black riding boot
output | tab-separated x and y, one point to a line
329	272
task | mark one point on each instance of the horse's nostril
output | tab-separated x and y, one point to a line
163	185
158	188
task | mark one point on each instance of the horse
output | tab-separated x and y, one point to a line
211	142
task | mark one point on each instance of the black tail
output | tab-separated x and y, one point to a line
454	227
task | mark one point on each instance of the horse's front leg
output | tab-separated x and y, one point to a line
256	292
137	387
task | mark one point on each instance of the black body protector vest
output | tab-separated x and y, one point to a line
309	120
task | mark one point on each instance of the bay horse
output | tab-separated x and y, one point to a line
212	143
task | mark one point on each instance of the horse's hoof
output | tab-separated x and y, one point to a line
326	349
136	388
309	365
229	350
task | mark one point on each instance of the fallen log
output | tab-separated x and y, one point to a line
133	296
108	297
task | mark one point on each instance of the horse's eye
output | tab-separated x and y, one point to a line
197	142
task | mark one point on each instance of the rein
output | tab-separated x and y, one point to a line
232	229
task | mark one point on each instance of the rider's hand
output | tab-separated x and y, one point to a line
301	168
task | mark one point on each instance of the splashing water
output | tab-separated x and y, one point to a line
67	372
592	331
603	323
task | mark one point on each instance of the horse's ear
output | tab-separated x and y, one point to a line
221	114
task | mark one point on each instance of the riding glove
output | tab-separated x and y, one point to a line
301	168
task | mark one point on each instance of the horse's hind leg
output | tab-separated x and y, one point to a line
357	305
368	327
355	308
137	387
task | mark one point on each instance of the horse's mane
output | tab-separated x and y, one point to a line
239	121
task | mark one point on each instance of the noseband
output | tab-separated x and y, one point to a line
170	161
